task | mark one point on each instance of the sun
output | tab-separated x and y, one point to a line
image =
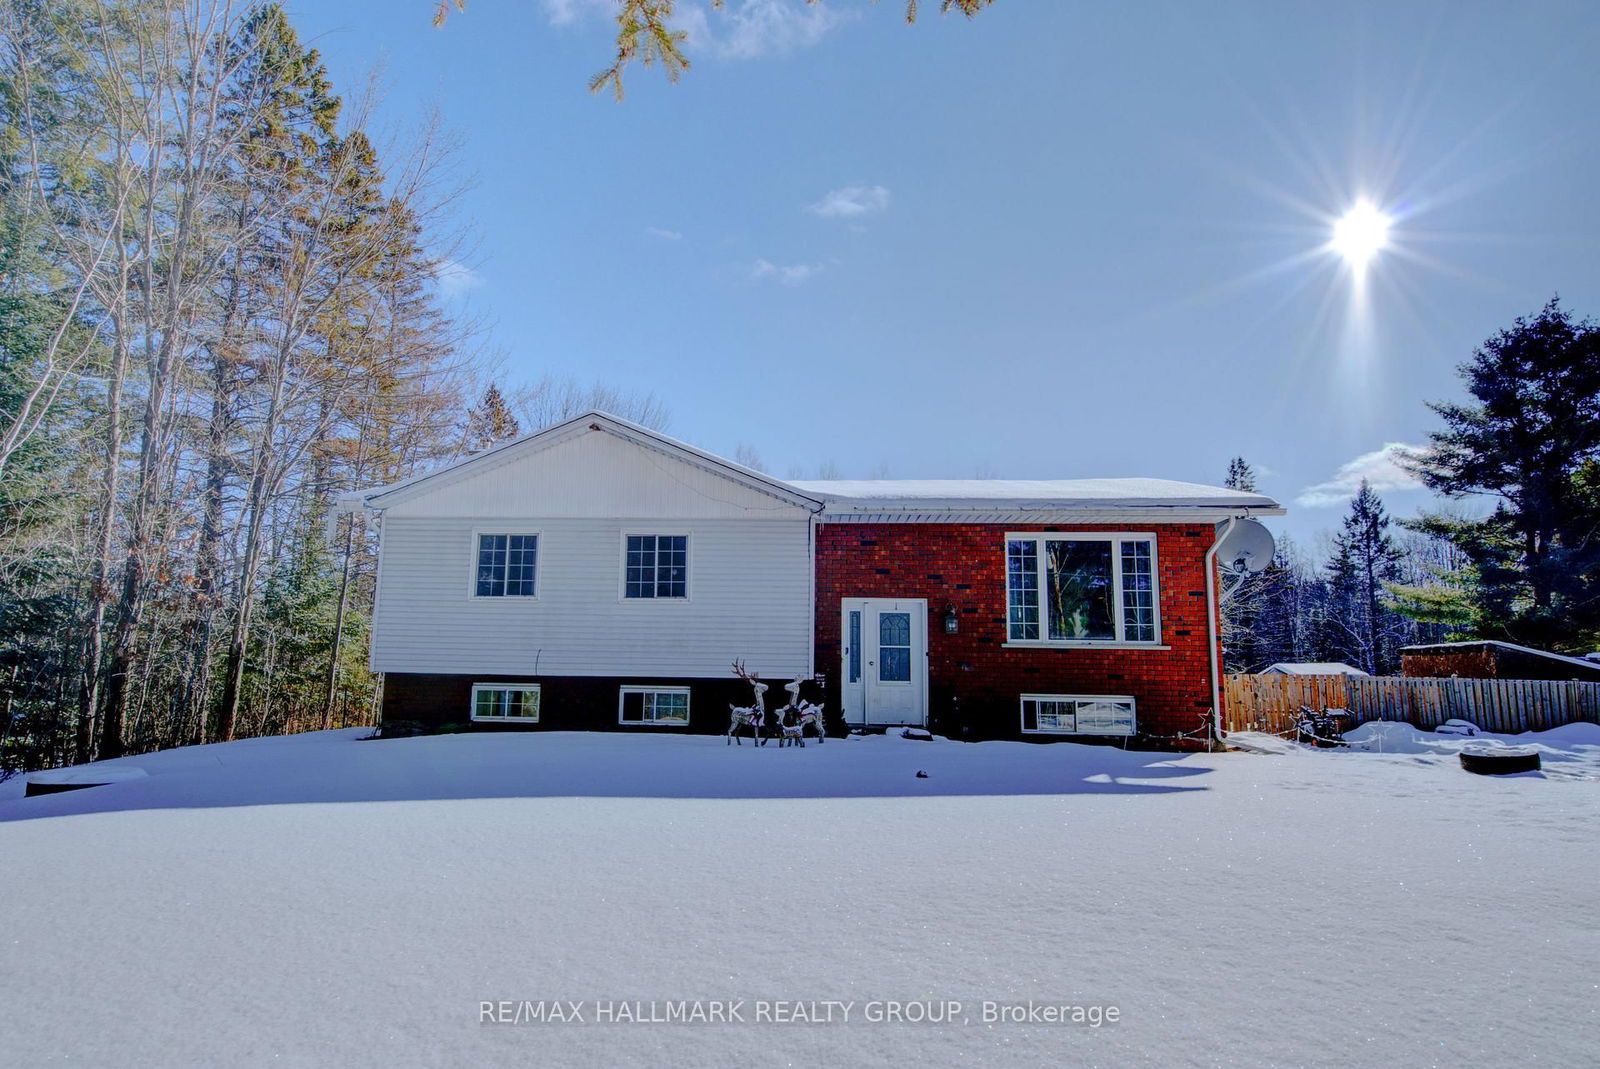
1360	234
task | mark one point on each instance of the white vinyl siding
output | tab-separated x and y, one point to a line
1077	714
653	706
747	558
751	585
1082	589
508	703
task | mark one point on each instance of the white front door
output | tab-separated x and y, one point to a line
885	660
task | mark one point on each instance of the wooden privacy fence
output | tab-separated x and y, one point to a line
1508	706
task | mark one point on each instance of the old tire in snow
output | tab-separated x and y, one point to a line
1500	761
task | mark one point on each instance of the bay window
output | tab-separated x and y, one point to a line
1081	588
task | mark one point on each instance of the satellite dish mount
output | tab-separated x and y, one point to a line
1246	549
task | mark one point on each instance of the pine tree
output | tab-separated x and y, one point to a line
490	421
299	604
309	250
1287	591
279	109
1365	560
1241	476
1438	589
1528	442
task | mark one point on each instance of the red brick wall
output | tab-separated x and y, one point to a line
974	681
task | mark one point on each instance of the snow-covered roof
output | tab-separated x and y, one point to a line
859	500
1051	495
1314	668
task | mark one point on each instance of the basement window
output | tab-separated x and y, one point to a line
654	706
515	703
1076	714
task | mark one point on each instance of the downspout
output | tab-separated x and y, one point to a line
1213	628
811	624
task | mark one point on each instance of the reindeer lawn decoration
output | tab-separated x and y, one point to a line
790	734
803	714
754	716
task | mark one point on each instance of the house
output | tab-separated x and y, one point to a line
1313	668
600	575
1490	659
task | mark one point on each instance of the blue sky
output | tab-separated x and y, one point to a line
1063	239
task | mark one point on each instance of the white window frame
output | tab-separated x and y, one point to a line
538	566
688	565
1041	561
1133	710
526	688
623	692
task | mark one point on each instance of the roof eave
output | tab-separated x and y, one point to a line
1001	512
1260	507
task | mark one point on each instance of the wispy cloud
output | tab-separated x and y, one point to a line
1381	468
455	279
851	202
740	29
566	12
787	274
664	235
748	29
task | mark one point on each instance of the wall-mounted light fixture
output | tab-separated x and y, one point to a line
952	622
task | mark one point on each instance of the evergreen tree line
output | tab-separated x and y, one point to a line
218	311
1336	605
1515	553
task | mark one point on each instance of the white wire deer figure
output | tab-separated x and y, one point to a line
752	716
790	734
805	715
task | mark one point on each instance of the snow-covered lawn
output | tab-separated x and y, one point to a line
319	900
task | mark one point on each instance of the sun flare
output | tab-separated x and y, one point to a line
1360	234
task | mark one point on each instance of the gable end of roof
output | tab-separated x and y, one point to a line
592	421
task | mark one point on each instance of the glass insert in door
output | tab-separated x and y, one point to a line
894	647
854	641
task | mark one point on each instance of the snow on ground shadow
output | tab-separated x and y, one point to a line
343	766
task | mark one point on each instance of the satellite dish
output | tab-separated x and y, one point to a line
1247	547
